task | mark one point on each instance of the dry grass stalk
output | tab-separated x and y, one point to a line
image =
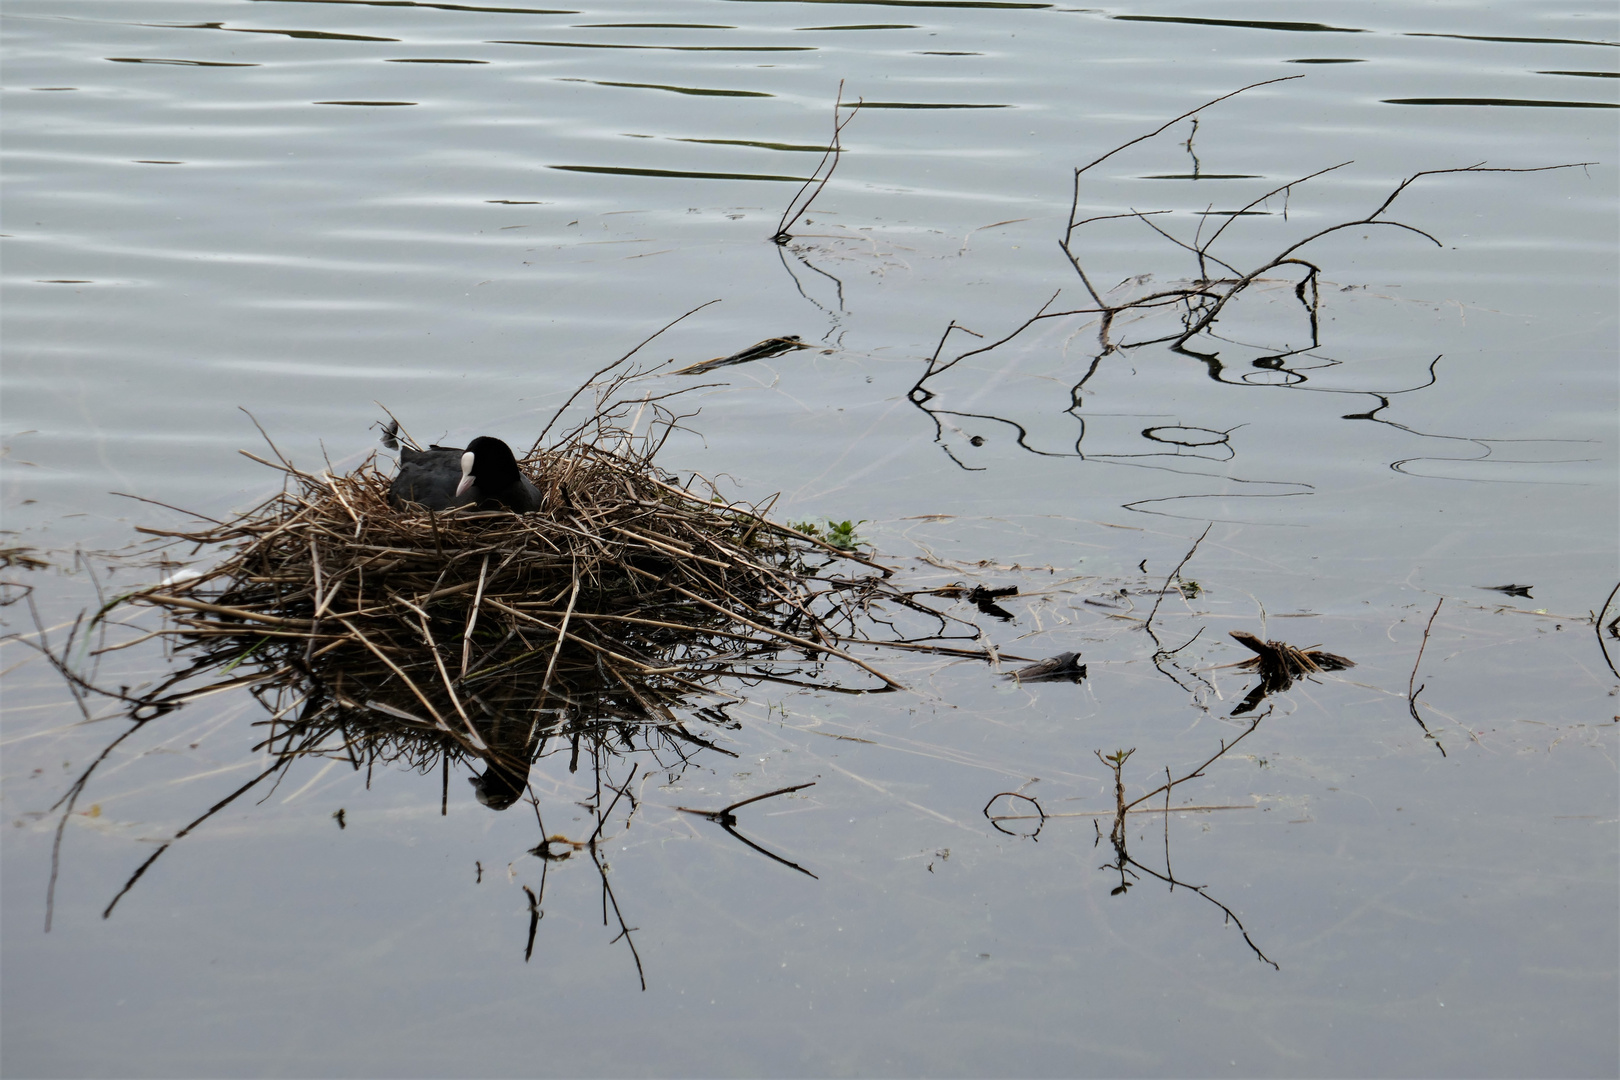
22	557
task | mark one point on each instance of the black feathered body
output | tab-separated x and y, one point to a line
432	477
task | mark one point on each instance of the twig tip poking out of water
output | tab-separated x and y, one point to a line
1411	694
728	821
799	205
1191	305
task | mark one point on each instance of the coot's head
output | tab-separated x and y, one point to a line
488	463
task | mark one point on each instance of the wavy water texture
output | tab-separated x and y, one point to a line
1400	436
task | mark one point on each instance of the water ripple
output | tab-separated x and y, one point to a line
616	170
664	48
1511	102
424	4
312	35
695	91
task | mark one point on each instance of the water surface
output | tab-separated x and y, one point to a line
458	211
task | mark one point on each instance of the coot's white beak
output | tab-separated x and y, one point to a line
466	474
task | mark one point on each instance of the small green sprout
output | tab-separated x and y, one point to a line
838	534
841	534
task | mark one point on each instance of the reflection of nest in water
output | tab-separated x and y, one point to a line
384	634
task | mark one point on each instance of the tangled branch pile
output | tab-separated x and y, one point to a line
367	626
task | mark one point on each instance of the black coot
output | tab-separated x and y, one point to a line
485	475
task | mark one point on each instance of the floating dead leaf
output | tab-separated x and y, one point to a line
1064	667
762	350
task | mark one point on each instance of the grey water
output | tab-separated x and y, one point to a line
316	210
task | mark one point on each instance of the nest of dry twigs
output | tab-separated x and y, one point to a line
403	634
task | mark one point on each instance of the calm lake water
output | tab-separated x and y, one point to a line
314	209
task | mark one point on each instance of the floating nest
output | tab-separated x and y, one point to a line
401	634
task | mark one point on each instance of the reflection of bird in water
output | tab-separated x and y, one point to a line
505	778
484	475
982	597
501	785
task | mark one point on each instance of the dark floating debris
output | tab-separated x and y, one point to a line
1511	590
1279	664
1064	667
762	350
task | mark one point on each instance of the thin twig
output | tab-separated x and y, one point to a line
829	161
1148	625
1411	694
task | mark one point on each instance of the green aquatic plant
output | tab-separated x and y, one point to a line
841	534
838	534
